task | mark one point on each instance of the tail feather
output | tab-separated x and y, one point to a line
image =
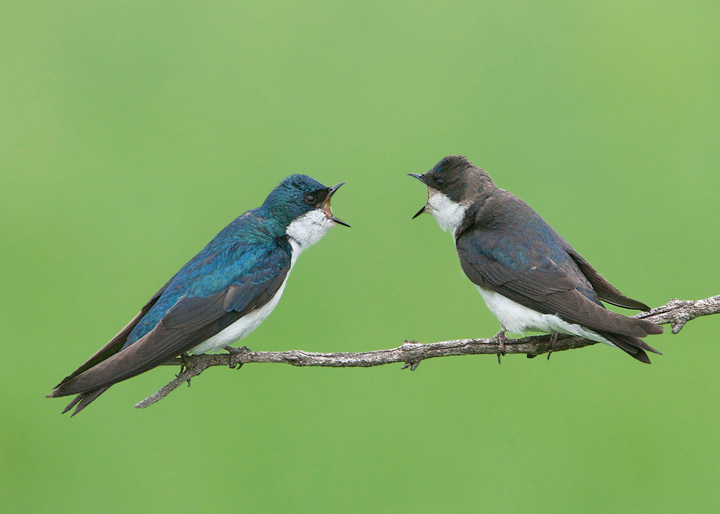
633	346
84	399
605	290
649	326
71	404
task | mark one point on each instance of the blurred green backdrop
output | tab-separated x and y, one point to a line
132	132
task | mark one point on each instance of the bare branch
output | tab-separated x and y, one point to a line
675	312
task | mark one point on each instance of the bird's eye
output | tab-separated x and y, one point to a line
440	182
310	199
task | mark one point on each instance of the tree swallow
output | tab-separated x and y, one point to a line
530	278
220	296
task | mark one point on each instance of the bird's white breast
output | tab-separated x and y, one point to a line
302	233
447	213
513	317
241	327
519	319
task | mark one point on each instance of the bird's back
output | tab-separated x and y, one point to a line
236	248
517	237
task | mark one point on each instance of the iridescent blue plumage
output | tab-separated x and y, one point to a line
524	242
224	261
221	295
253	242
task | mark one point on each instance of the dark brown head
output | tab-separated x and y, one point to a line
453	184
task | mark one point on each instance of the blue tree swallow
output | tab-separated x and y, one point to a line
530	278
220	296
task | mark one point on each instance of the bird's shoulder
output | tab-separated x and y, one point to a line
239	271
245	248
503	211
507	230
507	244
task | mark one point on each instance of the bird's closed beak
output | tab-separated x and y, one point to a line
421	179
326	205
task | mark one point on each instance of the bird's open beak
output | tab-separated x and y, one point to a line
326	205
421	179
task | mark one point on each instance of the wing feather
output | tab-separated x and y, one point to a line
548	290
116	343
605	290
190	321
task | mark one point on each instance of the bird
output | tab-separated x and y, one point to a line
217	298
531	279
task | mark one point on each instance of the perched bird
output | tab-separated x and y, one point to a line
530	278
220	296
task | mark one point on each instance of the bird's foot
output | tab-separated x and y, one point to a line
184	364
551	342
236	351
500	338
411	363
232	350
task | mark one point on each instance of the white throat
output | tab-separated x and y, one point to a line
307	230
447	213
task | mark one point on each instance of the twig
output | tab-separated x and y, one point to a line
675	312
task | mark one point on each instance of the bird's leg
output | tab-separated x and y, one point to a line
500	338
183	363
551	342
236	351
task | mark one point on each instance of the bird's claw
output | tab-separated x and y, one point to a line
551	342
236	351
412	365
500	338
184	363
232	350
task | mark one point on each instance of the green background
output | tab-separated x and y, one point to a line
132	132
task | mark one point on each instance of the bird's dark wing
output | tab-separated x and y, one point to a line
116	343
605	290
546	289
192	320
